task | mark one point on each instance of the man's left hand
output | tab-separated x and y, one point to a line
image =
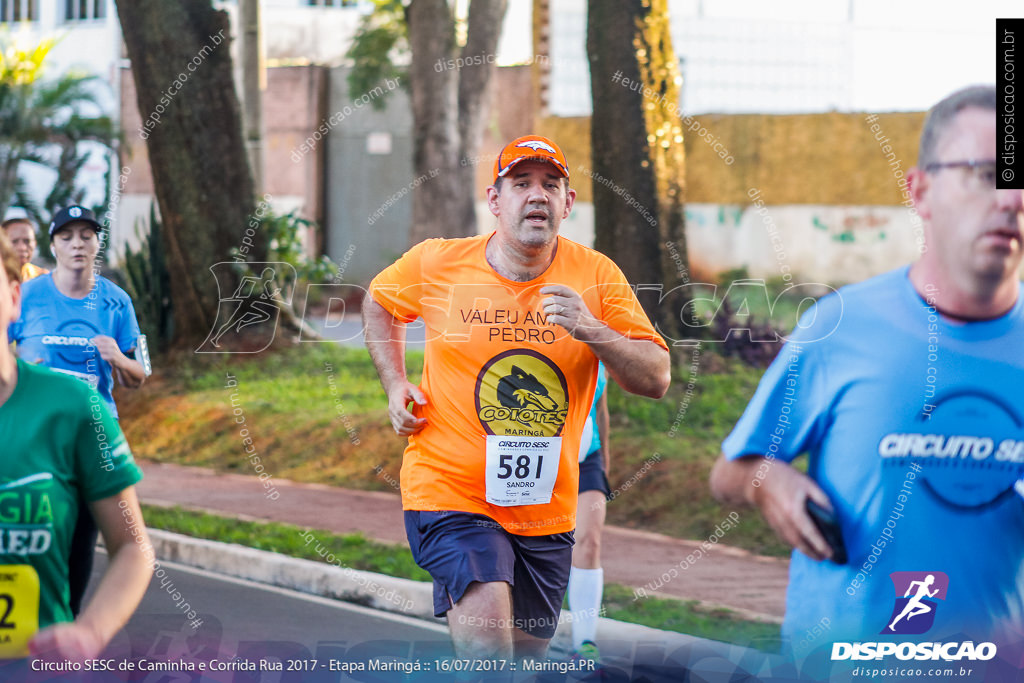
107	348
564	307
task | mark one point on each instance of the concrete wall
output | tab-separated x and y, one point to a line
294	104
368	166
830	158
808	243
320	35
832	185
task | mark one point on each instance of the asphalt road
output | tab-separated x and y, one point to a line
348	331
249	630
250	633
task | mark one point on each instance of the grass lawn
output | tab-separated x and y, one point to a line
351	550
687	616
316	413
357	552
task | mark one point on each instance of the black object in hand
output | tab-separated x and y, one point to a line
828	525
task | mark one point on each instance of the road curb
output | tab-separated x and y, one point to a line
384	593
377	591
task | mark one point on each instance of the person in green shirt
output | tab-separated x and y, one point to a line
60	446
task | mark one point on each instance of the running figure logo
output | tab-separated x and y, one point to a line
256	299
252	309
917	594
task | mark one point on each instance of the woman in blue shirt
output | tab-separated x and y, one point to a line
77	322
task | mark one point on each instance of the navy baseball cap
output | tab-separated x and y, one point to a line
73	214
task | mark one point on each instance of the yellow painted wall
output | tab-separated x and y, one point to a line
829	158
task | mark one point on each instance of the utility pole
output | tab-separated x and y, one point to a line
253	84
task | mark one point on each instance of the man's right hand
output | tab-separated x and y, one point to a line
404	422
781	494
782	499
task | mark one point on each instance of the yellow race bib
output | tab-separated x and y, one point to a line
19	609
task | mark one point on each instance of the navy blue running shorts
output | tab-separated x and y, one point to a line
592	474
459	548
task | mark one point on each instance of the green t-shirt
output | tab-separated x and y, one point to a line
59	444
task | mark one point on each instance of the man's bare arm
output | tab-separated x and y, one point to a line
385	340
640	366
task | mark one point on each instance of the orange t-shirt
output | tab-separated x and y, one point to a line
507	393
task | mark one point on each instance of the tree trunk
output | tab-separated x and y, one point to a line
449	106
637	144
181	62
9	159
484	30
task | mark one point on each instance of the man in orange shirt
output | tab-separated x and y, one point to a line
22	233
516	323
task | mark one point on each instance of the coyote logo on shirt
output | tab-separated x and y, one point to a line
521	393
520	389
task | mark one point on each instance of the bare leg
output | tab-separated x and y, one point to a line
529	647
590	514
586	579
481	622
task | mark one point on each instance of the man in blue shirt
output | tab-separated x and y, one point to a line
904	392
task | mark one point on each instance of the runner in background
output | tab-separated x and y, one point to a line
61	448
586	578
79	323
22	233
516	323
904	391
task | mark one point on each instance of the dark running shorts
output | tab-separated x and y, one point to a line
83	549
592	474
459	548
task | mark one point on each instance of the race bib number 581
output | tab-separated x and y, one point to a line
19	609
521	470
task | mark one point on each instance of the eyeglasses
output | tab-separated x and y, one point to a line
980	175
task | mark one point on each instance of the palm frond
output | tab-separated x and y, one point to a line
44	121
